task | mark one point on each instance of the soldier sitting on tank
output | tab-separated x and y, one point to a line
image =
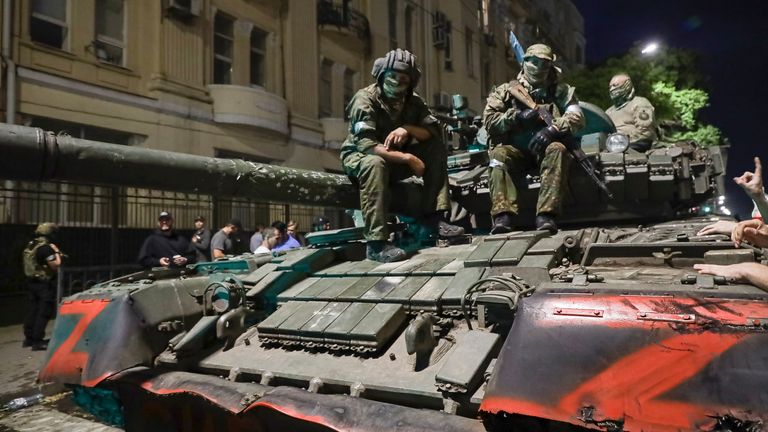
632	115
394	136
520	139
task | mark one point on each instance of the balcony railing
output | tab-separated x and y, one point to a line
343	17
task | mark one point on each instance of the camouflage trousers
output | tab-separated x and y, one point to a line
377	178
508	162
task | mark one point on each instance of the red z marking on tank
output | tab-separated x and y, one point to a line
65	361
629	389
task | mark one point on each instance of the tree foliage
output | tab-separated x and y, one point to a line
670	80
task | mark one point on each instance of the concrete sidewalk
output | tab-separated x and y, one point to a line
19	366
18	371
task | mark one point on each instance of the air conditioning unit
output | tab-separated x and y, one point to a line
184	9
442	101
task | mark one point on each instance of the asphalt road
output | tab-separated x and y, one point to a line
18	370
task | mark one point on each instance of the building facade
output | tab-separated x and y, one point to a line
263	80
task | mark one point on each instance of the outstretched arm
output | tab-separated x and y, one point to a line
751	273
752	183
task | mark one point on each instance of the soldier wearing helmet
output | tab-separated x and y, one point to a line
41	259
520	139
394	136
633	115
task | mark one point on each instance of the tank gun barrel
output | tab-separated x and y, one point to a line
36	155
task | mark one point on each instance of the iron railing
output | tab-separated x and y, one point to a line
343	16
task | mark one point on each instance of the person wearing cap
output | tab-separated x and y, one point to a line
284	240
165	247
201	240
520	139
42	260
321	223
394	136
222	242
633	115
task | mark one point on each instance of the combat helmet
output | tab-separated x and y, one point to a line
397	60
46	229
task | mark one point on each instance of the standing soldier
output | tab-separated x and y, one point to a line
633	115
393	136
520	139
42	259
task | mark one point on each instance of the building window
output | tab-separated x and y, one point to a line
48	23
392	10
408	28
223	37
326	68
110	31
349	87
468	49
258	57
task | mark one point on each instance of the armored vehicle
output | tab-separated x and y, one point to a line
600	327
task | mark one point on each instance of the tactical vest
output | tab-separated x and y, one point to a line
32	268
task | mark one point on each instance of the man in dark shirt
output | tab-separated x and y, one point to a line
165	247
201	240
42	259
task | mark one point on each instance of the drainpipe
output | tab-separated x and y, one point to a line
10	88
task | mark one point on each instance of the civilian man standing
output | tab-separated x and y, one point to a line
222	244
165	247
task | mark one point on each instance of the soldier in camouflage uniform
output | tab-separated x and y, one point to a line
633	115
394	136
520	139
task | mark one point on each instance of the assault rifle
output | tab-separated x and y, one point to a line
572	145
574	148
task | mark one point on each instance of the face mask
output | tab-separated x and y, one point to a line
393	88
621	93
536	70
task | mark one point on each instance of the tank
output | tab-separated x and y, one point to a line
604	325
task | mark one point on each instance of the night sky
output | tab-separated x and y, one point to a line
732	39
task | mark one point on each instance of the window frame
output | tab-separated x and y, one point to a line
220	57
322	97
258	51
65	42
102	39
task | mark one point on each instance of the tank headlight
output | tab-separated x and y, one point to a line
617	143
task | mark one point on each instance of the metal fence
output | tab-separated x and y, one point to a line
72	280
102	228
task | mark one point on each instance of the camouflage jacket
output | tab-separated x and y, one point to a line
371	119
501	107
635	118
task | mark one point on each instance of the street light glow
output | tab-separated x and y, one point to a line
650	48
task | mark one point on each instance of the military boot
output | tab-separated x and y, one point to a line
545	222
383	252
502	223
435	222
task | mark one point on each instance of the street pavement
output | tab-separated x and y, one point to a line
18	370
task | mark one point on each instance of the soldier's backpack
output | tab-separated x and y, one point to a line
32	268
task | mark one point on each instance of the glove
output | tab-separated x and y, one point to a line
542	139
527	118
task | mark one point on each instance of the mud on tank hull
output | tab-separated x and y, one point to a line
591	328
